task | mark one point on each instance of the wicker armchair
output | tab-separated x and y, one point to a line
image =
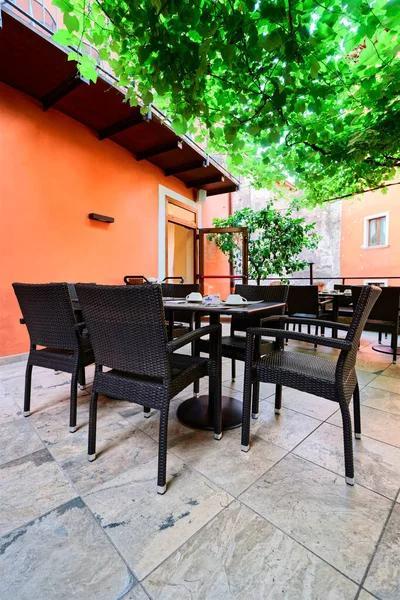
50	319
304	303
180	322
335	381
384	317
127	330
234	345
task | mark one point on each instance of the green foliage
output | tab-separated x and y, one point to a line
276	239
301	89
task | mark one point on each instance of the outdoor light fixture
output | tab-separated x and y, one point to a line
101	218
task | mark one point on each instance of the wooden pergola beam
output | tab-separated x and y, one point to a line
64	88
121	125
185	168
156	150
205	181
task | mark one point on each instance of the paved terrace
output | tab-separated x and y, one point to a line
278	522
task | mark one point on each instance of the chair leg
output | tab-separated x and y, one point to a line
162	452
394	347
245	447
348	443
74	401
196	388
309	329
82	378
357	414
316	333
92	426
147	412
278	399
233	365
380	337
256	400
28	386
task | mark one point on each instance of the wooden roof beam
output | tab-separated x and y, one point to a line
156	150
185	168
233	188
64	88
205	181
121	125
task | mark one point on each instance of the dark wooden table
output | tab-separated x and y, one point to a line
197	412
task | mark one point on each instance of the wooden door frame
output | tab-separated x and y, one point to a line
245	251
187	224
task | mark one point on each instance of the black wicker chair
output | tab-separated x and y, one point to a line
180	322
128	334
334	380
384	317
234	345
304	303
50	319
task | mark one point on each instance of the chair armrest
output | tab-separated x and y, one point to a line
301	337
174	345
303	321
22	321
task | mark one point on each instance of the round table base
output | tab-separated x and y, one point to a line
385	349
194	413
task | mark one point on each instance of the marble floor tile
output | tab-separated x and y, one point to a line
146	527
17	438
393	370
376	424
364	595
365	378
223	462
389	384
372	363
285	430
48	389
52	425
381	399
15	369
9	410
63	554
241	556
377	465
120	446
31	486
340	523
151	425
307	404
383	578
136	593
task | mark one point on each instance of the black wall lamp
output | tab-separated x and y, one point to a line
101	218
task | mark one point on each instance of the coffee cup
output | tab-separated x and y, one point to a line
194	297
347	292
235	299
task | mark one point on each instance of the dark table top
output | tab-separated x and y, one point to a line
247	309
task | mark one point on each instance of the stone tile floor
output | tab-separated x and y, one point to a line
277	522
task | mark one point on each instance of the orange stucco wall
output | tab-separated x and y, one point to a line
370	263
54	171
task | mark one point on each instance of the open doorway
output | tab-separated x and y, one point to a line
181	240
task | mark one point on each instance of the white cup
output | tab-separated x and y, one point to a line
347	292
235	299
194	297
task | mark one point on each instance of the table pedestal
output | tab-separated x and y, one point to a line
385	349
195	413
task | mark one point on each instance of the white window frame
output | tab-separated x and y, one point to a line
365	245
163	192
383	282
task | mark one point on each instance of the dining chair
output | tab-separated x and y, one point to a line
304	303
182	321
127	330
56	338
384	317
234	345
335	380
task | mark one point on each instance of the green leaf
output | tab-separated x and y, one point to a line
180	127
272	41
314	68
71	22
63	5
65	38
87	69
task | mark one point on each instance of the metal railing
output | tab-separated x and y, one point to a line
310	277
